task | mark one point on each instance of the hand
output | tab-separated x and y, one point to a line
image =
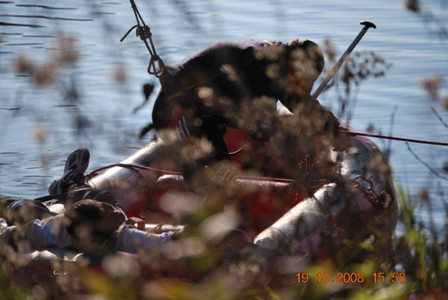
338	135
136	222
342	139
331	123
177	235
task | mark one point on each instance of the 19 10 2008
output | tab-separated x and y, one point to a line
352	277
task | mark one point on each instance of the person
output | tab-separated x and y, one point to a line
69	188
92	221
229	84
87	226
74	169
73	186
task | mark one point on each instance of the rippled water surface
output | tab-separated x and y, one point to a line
91	105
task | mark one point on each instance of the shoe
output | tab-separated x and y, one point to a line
78	160
75	167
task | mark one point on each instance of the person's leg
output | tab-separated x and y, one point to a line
21	211
75	166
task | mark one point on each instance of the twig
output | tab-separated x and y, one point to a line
424	163
439	117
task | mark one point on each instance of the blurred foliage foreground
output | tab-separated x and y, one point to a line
413	265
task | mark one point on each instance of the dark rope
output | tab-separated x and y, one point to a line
388	137
62	195
156	66
132	166
146	168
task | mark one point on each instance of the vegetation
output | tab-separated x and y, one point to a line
412	264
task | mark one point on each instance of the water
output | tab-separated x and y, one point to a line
37	129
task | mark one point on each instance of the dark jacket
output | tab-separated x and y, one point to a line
206	92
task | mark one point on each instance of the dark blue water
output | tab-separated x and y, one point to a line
40	126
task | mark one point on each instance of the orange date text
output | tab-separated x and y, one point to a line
351	277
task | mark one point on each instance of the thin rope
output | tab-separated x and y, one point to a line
132	166
156	66
396	138
146	168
